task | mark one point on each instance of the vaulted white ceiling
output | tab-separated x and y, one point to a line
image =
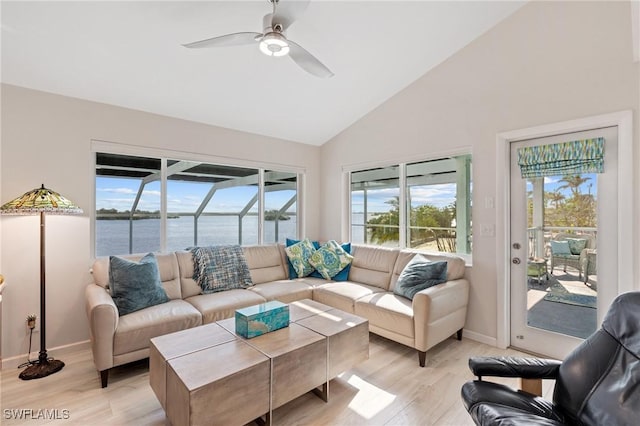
129	54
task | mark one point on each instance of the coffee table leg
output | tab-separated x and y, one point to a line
323	393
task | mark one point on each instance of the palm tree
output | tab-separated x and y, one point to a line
555	197
573	182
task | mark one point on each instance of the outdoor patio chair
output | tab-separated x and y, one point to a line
596	384
570	250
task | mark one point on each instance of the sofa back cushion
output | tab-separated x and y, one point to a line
265	263
455	264
372	265
188	285
167	264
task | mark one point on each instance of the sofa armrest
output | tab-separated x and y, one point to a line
102	314
526	368
444	304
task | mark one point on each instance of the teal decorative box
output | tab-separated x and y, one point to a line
260	319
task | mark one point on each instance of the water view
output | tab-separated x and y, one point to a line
112	236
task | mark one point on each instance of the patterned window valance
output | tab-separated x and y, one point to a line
566	158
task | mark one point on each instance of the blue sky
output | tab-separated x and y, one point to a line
119	194
445	194
552	183
438	195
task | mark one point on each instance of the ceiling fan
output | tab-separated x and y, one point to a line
273	40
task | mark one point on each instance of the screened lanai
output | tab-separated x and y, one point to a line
204	204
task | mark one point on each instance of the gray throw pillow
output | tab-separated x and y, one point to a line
135	285
419	274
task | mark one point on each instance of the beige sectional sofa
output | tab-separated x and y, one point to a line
434	314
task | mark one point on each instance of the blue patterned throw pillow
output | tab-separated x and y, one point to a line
576	245
135	285
299	255
330	259
419	274
292	272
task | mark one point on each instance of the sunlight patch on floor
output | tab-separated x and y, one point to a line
534	296
370	400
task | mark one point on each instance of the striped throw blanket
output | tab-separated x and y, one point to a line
219	268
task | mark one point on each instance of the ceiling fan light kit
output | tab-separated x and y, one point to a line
273	41
274	44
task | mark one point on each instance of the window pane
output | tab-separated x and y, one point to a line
439	205
437	212
119	182
280	201
207	204
374	206
210	204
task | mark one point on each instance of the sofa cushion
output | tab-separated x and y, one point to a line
372	265
137	328
265	263
419	274
388	311
455	264
299	255
222	305
285	291
188	285
343	295
167	265
330	259
135	285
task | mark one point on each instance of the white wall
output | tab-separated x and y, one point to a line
548	62
46	139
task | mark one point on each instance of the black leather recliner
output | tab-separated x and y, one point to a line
597	384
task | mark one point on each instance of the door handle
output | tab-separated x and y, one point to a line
515	260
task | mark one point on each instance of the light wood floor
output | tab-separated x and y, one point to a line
388	389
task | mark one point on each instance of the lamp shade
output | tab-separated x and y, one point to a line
38	201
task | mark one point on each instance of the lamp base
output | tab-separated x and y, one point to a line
41	369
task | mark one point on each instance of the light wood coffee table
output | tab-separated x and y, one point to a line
209	375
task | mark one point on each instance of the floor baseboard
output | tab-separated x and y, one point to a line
56	352
482	338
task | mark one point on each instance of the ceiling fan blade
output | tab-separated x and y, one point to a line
307	61
235	39
287	11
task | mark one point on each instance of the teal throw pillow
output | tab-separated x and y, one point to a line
419	274
576	245
344	274
299	255
330	259
135	285
560	248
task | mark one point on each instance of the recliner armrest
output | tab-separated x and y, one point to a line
526	368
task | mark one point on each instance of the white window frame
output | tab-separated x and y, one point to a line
402	163
106	147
